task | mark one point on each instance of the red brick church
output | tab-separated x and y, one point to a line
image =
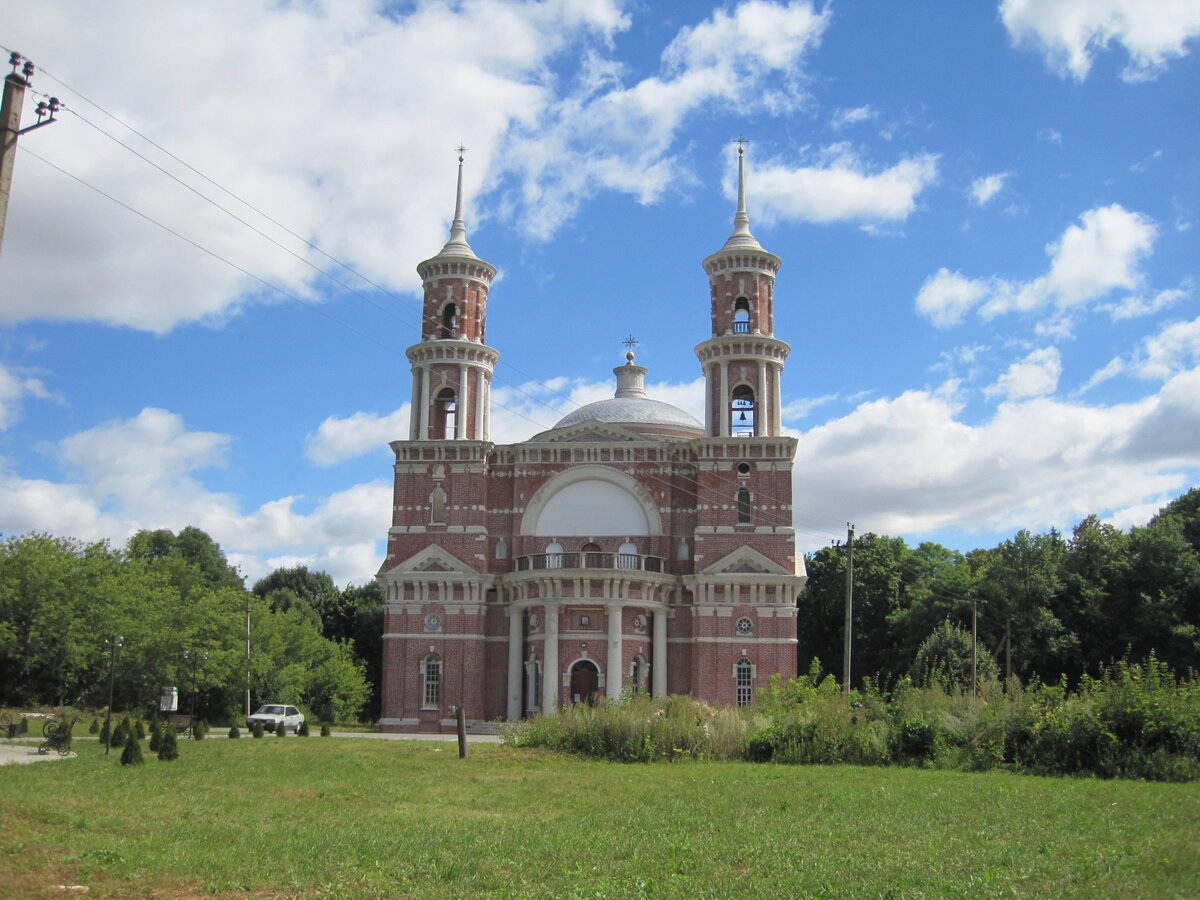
628	549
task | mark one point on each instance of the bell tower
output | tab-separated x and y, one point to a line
743	360
452	365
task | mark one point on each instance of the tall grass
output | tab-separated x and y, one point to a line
1135	721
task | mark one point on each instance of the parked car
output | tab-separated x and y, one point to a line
276	715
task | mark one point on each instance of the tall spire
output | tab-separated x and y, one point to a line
741	237
457	245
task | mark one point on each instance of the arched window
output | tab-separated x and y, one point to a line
449	321
742	411
743	506
743	674
589	556
636	668
431	675
627	556
437	506
554	555
741	316
501	549
445	415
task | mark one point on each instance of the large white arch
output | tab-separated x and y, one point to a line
588	501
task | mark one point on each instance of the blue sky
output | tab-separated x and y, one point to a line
987	215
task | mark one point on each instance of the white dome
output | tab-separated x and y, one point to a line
632	411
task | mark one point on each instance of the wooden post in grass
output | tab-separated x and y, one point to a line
460	718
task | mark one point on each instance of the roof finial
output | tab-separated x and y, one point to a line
741	236
629	342
457	245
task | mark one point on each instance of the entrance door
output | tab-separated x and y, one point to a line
585	680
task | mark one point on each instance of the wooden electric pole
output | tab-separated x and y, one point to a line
10	125
849	608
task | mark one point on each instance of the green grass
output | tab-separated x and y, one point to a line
345	818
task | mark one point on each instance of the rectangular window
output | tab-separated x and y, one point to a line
745	683
433	682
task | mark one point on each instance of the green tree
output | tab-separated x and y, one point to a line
944	658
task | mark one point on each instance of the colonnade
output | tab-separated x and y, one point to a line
552	676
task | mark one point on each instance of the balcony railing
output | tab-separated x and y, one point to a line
627	561
741	327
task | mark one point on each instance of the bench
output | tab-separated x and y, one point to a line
58	736
12	728
179	723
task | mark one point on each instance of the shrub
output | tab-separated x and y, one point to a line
140	730
168	744
280	730
199	730
94	728
302	731
325	732
132	754
105	734
234	732
155	736
256	730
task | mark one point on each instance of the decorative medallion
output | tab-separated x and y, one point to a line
744	626
433	623
639	624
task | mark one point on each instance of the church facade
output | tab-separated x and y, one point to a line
628	549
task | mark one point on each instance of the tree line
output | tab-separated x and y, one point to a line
1048	605
183	614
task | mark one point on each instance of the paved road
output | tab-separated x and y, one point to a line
24	750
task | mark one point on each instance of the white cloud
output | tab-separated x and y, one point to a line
338	439
841	187
606	135
947	296
983	189
1136	305
1174	349
1034	376
1091	260
15	386
1070	32
909	464
143	473
846	117
309	116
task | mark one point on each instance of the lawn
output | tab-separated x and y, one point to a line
347	818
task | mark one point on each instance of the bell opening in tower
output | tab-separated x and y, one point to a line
445	416
742	412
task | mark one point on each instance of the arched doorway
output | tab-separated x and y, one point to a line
585	681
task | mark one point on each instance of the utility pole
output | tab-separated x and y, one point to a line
849	607
10	125
974	646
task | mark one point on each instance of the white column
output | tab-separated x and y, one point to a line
460	417
516	619
414	409
658	665
425	403
724	400
615	674
550	674
531	681
480	433
764	417
776	371
485	429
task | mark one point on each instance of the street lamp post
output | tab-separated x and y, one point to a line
113	644
196	659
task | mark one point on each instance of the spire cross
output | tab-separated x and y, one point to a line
630	342
741	142
460	150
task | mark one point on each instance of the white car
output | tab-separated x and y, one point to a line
275	715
